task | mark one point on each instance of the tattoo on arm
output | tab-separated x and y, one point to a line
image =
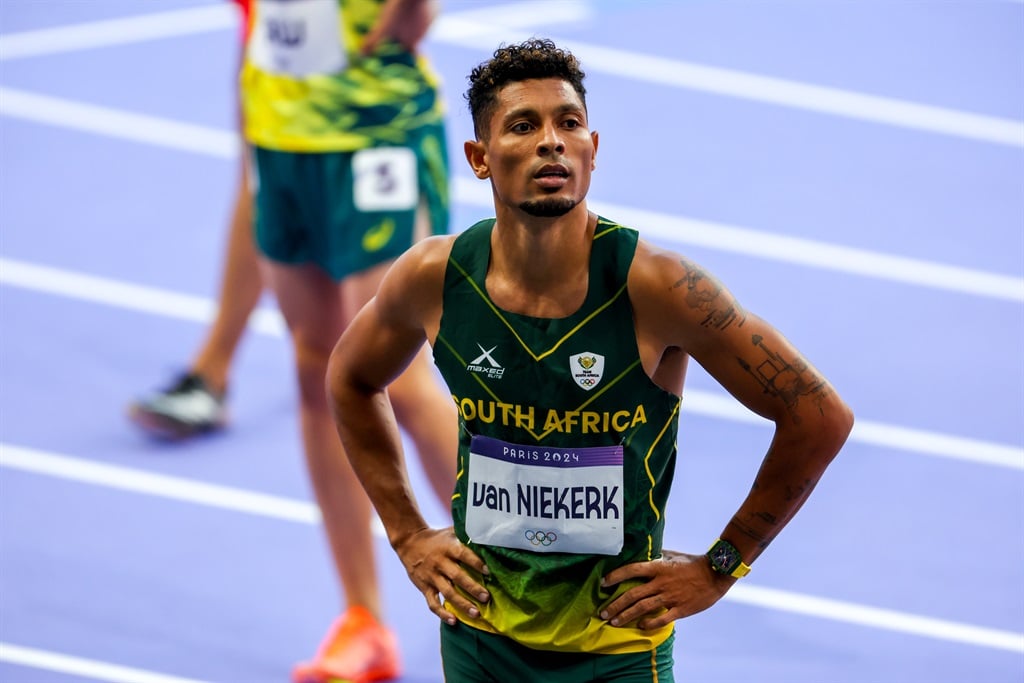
790	381
750	529
801	491
704	294
762	527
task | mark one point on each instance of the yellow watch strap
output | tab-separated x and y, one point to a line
741	570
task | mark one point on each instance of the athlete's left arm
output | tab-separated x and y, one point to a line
680	306
404	21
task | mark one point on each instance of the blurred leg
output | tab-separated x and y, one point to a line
195	402
313	310
240	290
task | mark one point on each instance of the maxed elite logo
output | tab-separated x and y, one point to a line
492	370
587	368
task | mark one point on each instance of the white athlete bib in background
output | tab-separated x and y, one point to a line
547	500
297	37
385	179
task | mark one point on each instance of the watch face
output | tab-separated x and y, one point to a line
724	557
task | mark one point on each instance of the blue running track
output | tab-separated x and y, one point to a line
853	170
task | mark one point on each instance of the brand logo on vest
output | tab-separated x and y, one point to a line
377	237
495	370
587	368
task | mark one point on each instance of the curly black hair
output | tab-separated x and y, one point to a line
533	58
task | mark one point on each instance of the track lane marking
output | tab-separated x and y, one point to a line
153	301
484	29
94	669
223	144
276	507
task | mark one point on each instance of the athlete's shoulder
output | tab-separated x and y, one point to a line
655	270
412	289
428	254
664	264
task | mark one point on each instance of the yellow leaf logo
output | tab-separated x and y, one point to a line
377	237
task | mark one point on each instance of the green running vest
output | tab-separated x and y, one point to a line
540	398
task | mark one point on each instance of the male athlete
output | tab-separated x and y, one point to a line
564	339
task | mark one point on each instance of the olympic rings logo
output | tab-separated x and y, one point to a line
587	381
544	538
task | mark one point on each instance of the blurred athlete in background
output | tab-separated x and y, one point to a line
344	124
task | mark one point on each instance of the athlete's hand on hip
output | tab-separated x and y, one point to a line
675	586
435	560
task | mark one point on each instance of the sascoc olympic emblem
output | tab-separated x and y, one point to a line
587	368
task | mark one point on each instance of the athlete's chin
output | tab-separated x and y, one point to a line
550	207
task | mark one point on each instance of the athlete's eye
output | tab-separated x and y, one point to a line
521	127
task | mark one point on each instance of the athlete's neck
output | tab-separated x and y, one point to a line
540	266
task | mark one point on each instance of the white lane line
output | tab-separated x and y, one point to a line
485	29
893	437
786	93
85	668
676	230
222	497
874	617
160	485
153	301
121	31
125	295
122	125
821	255
786	249
222	16
538	14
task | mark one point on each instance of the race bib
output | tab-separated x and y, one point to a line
566	500
297	37
386	179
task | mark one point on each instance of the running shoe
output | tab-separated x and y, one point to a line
357	649
186	408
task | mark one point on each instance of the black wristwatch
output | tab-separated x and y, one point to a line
725	559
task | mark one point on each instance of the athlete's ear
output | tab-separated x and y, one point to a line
593	158
476	155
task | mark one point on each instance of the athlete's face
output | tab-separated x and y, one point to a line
538	151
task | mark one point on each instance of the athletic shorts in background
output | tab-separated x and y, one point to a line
469	655
349	211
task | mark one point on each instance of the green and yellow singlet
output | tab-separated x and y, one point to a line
566	452
305	87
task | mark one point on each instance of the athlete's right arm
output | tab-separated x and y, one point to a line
378	344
